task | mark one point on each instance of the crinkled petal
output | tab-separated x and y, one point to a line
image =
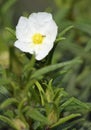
23	30
40	17
50	31
39	20
42	51
23	46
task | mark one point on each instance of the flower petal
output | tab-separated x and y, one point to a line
23	31
40	17
23	46
42	50
50	30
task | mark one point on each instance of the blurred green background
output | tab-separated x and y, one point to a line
77	44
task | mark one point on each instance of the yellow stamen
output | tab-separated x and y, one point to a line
37	38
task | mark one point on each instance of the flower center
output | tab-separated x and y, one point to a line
37	38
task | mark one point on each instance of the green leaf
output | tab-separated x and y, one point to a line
41	91
88	46
65	119
50	68
49	92
59	95
65	30
29	66
75	104
9	122
7	6
39	87
60	39
20	107
4	93
8	102
52	112
84	27
69	125
36	115
11	31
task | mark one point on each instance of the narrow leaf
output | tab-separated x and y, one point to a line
60	39
36	115
65	30
50	68
41	91
64	119
76	102
6	6
30	65
11	31
84	27
39	87
88	46
8	102
8	121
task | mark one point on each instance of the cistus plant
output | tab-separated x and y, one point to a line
31	95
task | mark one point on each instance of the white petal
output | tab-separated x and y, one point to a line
42	50
23	31
51	30
43	53
39	20
23	46
40	17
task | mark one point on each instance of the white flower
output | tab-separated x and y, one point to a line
36	34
